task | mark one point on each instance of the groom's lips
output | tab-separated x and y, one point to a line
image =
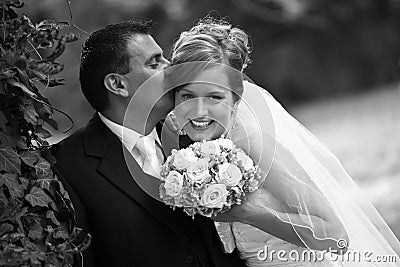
200	124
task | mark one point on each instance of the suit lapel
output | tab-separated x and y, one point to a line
120	169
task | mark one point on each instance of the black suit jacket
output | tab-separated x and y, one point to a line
128	227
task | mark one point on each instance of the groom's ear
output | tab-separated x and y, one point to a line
116	84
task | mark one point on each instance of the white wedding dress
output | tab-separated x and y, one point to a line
260	249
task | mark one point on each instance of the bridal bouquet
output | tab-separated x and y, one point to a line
208	177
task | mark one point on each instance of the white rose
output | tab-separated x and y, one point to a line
247	162
214	196
173	184
210	147
198	171
225	143
183	158
229	174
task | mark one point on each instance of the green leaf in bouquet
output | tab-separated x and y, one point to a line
37	197
43	169
9	161
29	158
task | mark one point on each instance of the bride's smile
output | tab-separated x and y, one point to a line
205	109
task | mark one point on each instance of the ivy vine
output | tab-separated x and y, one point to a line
37	221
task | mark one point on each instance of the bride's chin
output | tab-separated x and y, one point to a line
198	137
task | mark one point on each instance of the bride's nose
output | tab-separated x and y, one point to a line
200	107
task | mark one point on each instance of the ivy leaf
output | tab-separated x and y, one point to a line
5	228
37	197
5	141
52	24
7	73
10	180
14	3
56	82
42	133
43	169
70	37
22	86
47	68
30	114
50	215
45	183
3	121
29	158
45	113
58	51
35	231
9	161
61	232
3	199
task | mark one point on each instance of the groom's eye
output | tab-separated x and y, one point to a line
154	65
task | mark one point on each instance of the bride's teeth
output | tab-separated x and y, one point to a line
200	124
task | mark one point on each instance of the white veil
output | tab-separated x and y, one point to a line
302	170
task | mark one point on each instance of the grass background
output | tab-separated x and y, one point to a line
363	131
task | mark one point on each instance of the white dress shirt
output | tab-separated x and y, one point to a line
128	137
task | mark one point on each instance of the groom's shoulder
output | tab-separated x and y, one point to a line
73	144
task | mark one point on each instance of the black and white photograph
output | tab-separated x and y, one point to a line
252	133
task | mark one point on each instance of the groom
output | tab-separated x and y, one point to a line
128	227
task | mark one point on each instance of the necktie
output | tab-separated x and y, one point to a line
151	159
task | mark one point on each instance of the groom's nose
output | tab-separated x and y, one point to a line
165	63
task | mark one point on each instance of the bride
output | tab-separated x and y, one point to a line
308	211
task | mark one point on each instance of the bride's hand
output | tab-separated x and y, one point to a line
172	122
254	203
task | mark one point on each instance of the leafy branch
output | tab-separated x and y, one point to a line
37	220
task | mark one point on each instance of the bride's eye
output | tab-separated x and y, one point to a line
187	96
215	97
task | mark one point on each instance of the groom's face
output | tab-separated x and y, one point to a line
146	60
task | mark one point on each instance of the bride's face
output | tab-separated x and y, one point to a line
205	109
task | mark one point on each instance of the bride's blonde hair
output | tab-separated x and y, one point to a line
215	41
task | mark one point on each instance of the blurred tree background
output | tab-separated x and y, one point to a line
302	49
334	64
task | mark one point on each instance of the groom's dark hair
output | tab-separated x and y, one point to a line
104	52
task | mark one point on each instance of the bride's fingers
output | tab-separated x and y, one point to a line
172	122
